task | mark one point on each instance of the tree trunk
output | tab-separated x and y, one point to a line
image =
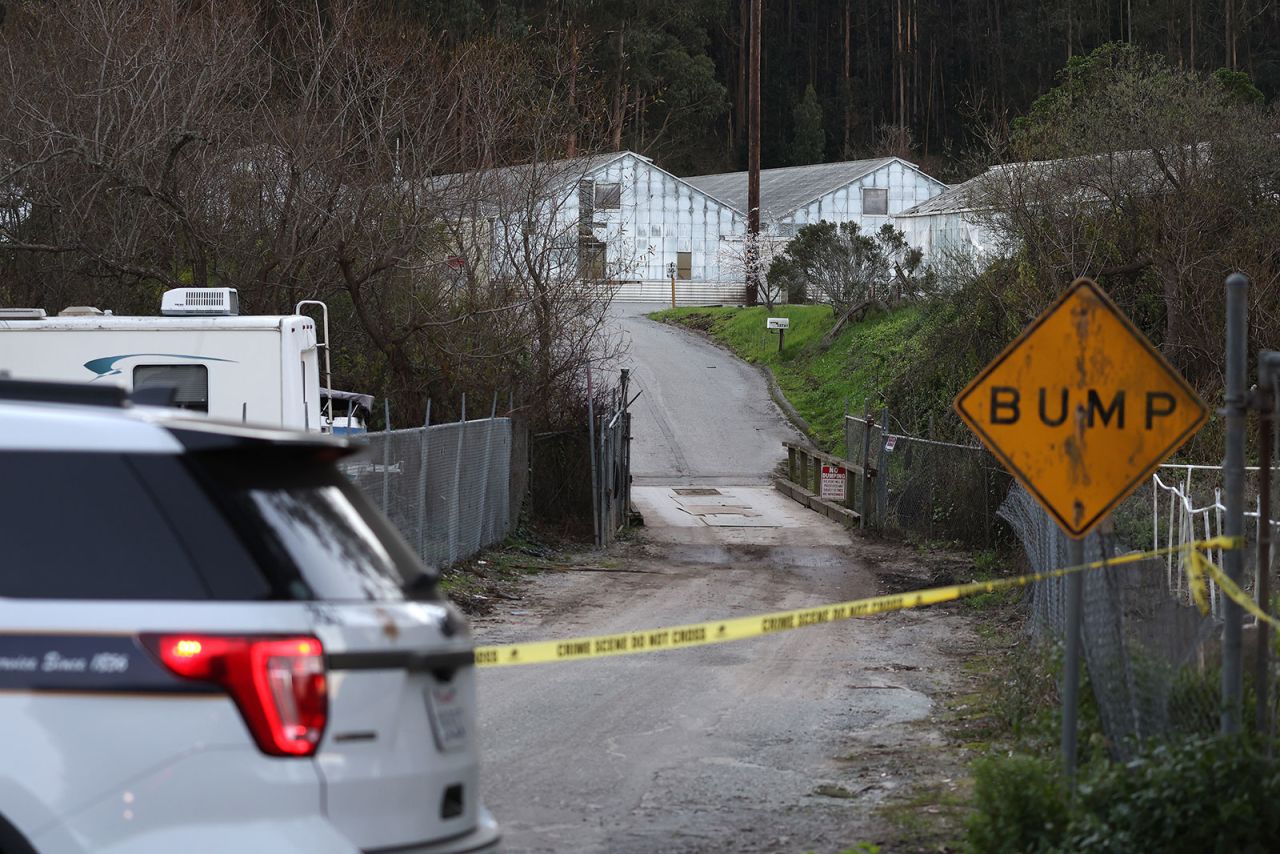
1229	35
1070	48
619	95
1191	23
571	145
846	80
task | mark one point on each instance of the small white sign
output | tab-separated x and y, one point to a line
778	323
890	442
834	479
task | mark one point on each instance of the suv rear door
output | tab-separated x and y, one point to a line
91	563
399	756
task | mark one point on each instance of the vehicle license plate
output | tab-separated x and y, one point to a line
448	717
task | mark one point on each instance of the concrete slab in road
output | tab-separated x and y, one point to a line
754	515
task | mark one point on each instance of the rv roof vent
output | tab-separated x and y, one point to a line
80	311
22	314
186	302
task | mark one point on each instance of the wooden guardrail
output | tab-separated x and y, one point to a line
805	479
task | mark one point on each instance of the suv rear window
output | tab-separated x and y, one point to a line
84	526
230	527
310	519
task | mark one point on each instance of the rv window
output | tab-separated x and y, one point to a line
191	381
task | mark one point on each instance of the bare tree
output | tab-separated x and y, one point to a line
741	257
298	151
1156	181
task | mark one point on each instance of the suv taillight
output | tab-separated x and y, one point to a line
278	683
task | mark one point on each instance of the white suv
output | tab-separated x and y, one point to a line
210	641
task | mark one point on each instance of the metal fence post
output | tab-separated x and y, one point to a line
624	450
455	512
386	451
607	451
866	464
1071	661
423	444
485	516
928	449
626	464
591	443
1233	479
882	473
1262	677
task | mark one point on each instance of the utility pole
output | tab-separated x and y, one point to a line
753	162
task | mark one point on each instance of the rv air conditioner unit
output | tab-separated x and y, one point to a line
22	314
200	302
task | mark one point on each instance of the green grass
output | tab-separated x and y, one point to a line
818	381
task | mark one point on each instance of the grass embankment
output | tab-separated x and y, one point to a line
819	381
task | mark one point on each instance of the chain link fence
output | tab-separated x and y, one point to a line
1153	660
611	474
446	487
924	488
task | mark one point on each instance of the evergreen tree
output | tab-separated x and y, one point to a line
808	141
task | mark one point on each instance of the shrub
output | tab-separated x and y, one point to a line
1021	806
1204	794
1209	793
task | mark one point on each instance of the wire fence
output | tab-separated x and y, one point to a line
446	487
611	464
1153	660
920	487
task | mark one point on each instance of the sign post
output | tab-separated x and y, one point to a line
1081	409
671	271
781	324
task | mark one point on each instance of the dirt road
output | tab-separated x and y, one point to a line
785	743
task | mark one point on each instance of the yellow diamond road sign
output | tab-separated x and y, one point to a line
1081	408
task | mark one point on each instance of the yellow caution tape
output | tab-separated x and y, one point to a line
1199	566
741	628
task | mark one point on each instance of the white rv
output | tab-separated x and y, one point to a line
259	370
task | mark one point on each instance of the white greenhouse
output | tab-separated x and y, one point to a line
621	220
615	219
950	225
866	192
